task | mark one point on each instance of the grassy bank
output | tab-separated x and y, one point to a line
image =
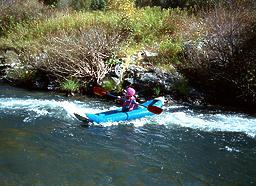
121	33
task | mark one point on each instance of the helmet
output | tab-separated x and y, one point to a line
130	91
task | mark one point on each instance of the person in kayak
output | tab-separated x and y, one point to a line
129	101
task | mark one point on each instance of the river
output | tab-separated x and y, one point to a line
42	143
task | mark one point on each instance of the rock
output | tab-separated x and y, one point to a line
11	58
151	82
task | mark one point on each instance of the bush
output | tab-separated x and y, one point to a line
147	23
49	2
80	55
20	11
175	3
222	62
121	5
198	4
98	4
70	85
108	84
170	50
81	4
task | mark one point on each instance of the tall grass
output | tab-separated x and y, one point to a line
25	34
146	27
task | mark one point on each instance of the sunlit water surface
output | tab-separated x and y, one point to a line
42	143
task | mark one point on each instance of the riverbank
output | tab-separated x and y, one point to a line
177	52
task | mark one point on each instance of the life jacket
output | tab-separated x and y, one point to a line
129	104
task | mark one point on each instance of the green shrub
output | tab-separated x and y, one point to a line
70	85
170	50
108	84
146	24
113	60
156	91
98	4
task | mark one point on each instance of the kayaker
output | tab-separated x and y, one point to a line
129	100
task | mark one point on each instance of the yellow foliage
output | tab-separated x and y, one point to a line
125	6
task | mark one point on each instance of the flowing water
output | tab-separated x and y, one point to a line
41	143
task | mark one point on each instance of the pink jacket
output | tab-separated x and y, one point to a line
129	104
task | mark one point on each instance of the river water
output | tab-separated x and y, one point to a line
41	143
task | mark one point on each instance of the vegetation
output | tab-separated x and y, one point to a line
222	61
212	43
70	86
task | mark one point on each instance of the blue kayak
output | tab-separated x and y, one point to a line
119	115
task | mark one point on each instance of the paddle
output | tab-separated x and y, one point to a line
102	92
155	109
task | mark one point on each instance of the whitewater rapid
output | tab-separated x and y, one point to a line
175	115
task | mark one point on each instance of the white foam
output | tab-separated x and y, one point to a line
35	108
211	122
230	149
63	109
